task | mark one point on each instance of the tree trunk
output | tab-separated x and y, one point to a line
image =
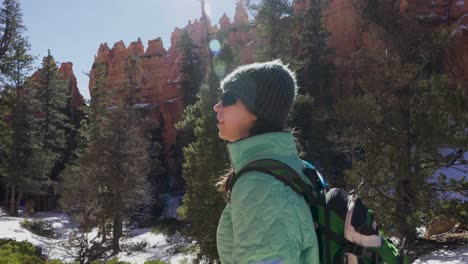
7	195
12	201
103	230
18	200
116	232
407	183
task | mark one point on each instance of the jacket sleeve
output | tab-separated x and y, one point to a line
265	226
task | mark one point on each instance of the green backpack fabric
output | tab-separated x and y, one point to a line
346	230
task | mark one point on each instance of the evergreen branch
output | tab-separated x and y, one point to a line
387	196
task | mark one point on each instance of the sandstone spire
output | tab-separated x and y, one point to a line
241	16
224	22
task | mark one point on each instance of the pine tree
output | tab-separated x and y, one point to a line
205	160
82	195
126	165
393	129
273	19
51	122
311	55
312	113
12	39
100	101
402	112
17	140
112	172
191	73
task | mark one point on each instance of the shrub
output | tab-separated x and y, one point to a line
168	226
136	246
111	261
13	252
53	261
156	261
39	227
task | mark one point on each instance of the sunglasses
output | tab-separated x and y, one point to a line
228	99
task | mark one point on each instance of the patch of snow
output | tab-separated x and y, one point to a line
462	27
158	245
455	256
147	106
433	16
420	231
250	43
174	81
170	100
446	151
10	228
455	172
439	2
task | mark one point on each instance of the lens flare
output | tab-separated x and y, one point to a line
215	46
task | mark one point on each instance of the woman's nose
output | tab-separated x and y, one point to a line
217	107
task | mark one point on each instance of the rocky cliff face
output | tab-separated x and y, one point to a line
455	14
76	99
342	20
158	70
157	77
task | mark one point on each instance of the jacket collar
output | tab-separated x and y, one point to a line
263	146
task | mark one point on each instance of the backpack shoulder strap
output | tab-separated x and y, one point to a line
282	172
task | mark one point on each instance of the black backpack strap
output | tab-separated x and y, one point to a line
282	172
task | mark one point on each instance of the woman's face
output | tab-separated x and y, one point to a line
234	119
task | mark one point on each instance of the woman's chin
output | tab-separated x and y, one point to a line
223	137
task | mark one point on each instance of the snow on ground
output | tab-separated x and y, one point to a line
454	256
455	171
10	228
158	245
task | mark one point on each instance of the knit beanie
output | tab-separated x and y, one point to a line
267	89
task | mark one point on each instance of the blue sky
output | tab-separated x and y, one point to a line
73	29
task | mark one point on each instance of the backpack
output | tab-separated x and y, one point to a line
345	227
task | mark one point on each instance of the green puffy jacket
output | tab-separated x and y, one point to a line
266	222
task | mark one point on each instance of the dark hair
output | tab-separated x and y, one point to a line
263	126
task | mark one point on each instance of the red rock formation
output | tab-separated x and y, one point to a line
66	69
342	20
241	16
239	35
454	13
299	6
456	59
157	76
224	22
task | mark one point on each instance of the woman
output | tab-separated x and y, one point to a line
264	221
